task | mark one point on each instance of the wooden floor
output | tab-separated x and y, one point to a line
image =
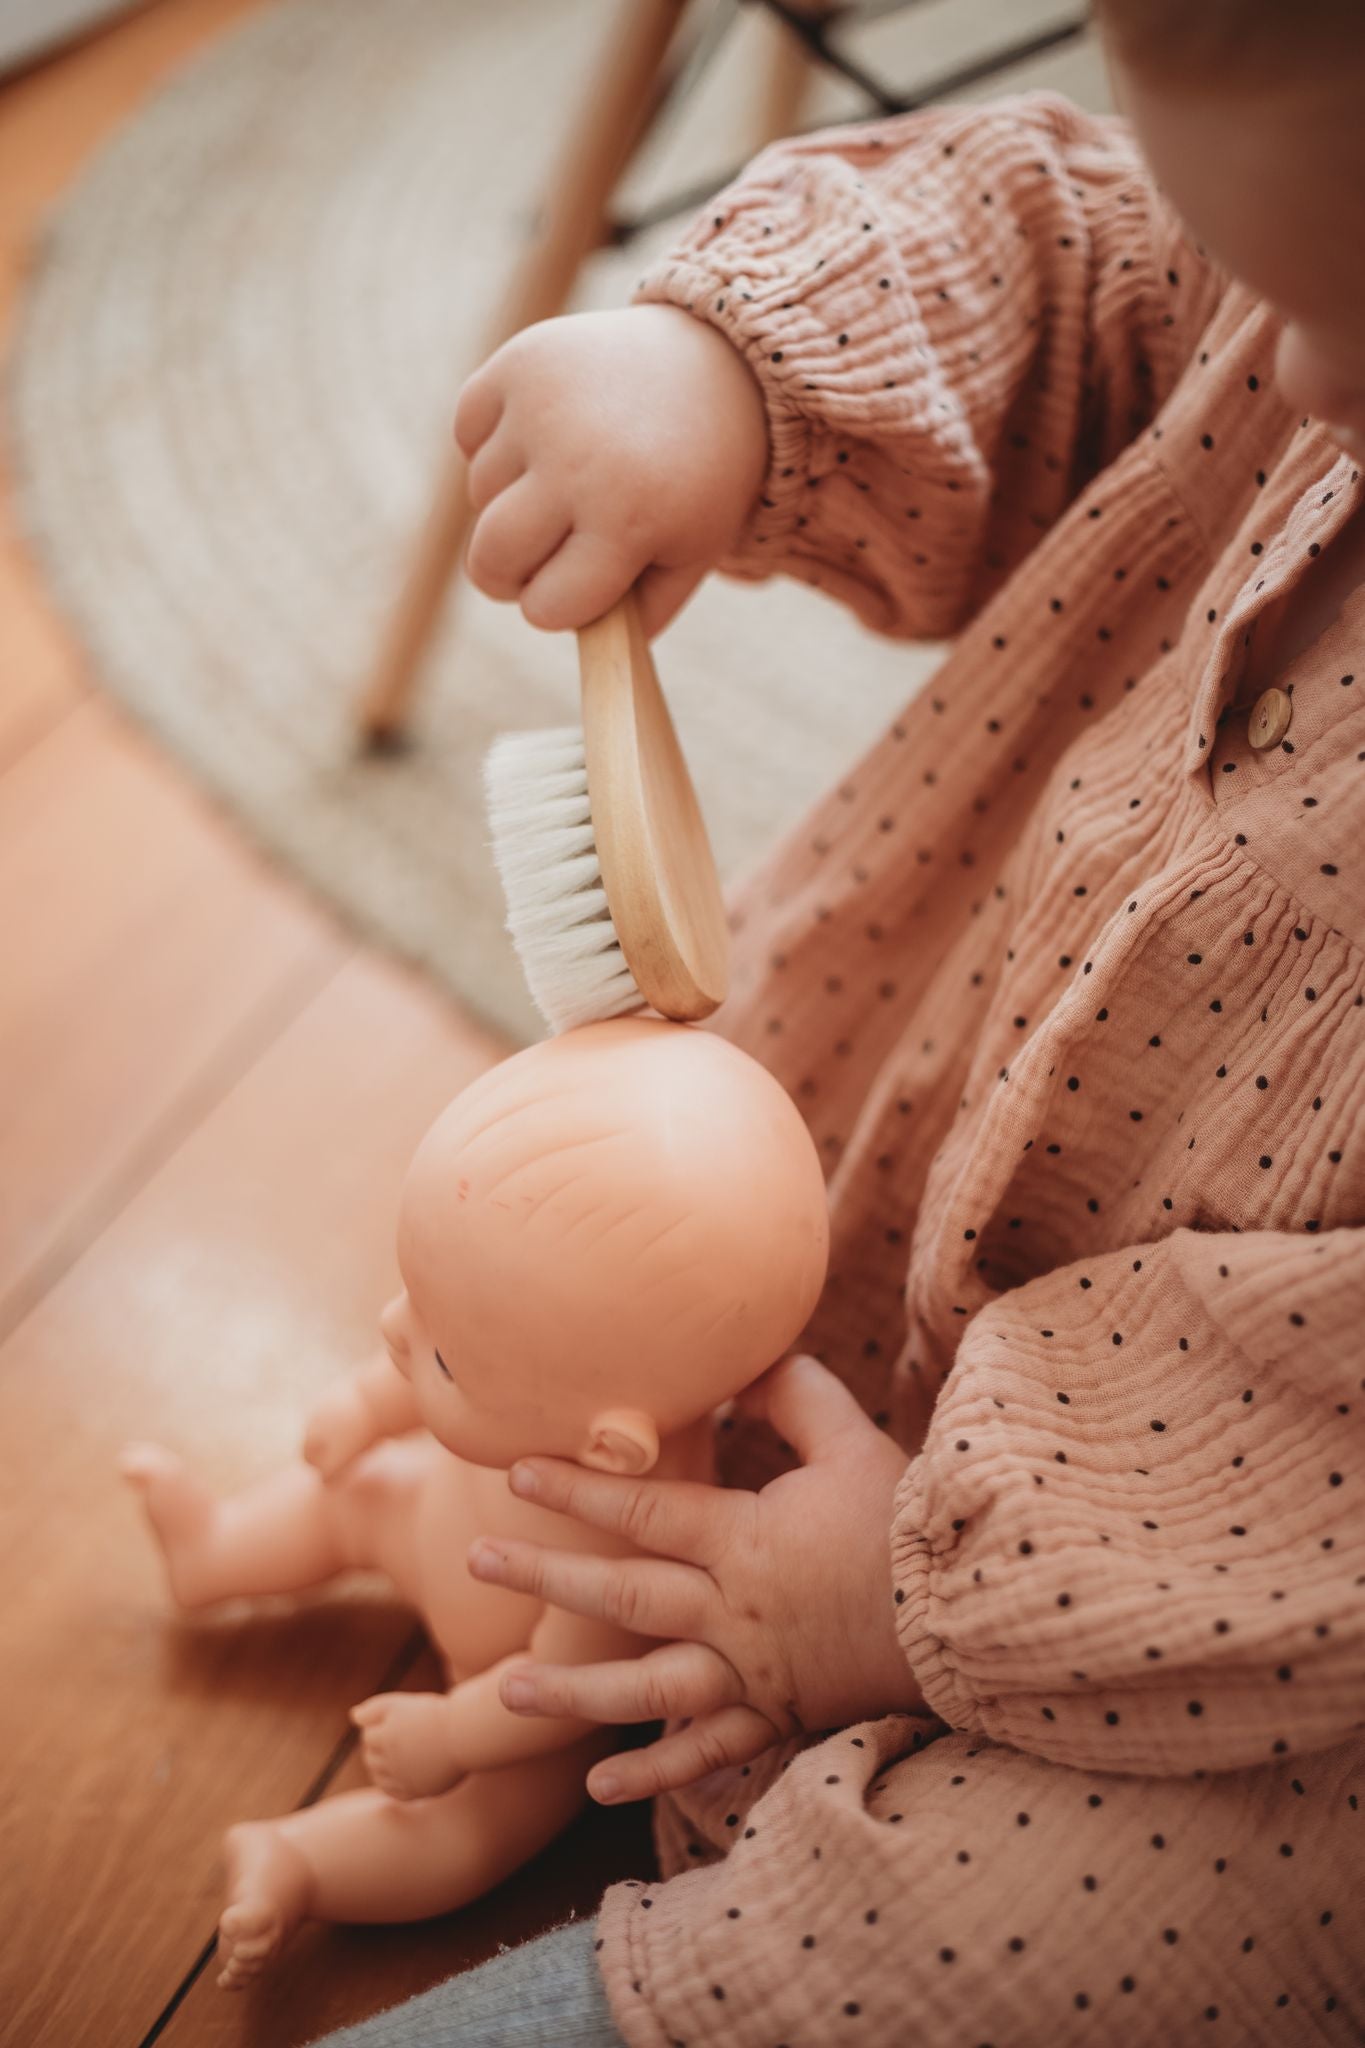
207	1099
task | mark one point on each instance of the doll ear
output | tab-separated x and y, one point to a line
621	1440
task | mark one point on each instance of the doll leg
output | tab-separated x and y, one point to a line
291	1531
363	1857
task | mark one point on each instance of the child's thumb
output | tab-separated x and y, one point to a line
807	1406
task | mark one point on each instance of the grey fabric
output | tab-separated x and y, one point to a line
546	1994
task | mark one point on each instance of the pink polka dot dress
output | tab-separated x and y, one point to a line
1067	977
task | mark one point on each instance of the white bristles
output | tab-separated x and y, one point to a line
537	789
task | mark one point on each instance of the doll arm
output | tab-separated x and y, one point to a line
488	1734
1182	1589
956	317
419	1744
373	1403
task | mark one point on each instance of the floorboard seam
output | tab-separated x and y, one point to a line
223	1071
396	1671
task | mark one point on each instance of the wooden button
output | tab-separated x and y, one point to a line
1269	722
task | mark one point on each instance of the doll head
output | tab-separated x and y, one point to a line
602	1239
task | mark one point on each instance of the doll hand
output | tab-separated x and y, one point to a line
338	1430
606	448
777	1604
406	1742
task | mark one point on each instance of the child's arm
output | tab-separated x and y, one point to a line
373	1403
418	1744
1182	1589
956	318
1133	1541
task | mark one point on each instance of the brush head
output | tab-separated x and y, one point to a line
546	855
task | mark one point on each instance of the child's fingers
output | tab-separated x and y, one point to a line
477	412
518	533
681	1678
679	1518
663	593
578	584
734	1735
646	1596
495	468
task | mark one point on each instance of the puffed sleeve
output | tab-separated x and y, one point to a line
956	317
1135	1538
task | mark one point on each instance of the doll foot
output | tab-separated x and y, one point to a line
181	1513
267	1898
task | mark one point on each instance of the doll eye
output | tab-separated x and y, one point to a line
444	1367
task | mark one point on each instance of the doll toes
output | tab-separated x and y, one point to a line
268	1887
249	1935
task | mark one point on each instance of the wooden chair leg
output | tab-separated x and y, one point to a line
609	127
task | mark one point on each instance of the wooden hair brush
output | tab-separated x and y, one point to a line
613	899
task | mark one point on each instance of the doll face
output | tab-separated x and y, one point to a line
628	1220
487	1418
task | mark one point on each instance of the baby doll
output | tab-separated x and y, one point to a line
599	1241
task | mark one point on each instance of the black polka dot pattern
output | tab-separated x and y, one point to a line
1144	1887
1068	981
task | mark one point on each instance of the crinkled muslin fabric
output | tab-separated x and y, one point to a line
1066	978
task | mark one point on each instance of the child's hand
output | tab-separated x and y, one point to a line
606	449
406	1741
777	1604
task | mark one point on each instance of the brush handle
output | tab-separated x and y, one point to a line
658	870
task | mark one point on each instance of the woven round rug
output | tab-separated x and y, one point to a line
231	392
